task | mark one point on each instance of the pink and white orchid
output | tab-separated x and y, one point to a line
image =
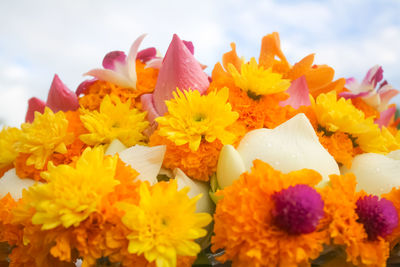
59	98
377	96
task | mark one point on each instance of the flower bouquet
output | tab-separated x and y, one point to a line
152	162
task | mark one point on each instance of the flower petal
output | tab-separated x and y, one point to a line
148	105
112	77
60	97
155	63
376	174
230	166
84	86
179	70
189	46
131	60
114	58
115	147
147	54
145	160
386	96
11	183
34	104
374	75
350	95
291	146
298	92
385	117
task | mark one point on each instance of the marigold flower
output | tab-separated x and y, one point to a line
114	120
45	135
164	223
8	137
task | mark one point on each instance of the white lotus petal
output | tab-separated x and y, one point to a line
230	166
145	160
115	147
376	174
291	146
11	183
394	154
204	204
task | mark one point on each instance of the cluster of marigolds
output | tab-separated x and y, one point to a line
152	161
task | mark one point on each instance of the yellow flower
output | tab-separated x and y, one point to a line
192	117
164	224
8	137
45	135
341	115
113	121
72	194
257	81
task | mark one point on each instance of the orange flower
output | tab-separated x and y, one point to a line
368	110
345	230
199	164
394	196
244	224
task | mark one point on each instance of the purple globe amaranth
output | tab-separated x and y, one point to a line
298	209
379	216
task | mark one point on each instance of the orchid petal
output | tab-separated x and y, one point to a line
145	160
60	97
374	75
376	174
230	166
115	147
385	117
147	54
353	85
386	96
179	70
84	86
34	104
11	183
111	59
148	105
154	63
112	77
291	146
350	95
298	94
204	204
131	61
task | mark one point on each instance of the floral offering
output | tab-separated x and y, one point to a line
152	162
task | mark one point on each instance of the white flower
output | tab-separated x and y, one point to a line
376	174
291	146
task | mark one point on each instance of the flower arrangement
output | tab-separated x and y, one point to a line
154	163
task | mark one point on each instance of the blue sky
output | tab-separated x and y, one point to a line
40	38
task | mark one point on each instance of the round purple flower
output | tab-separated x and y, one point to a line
379	216
298	209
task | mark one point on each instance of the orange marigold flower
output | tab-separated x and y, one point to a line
9	232
368	110
345	230
394	196
246	229
199	164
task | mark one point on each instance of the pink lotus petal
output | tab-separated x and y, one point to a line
189	46
350	95
34	104
131	61
179	70
146	54
387	95
60	97
385	117
112	77
148	105
298	94
374	75
154	63
84	86
113	58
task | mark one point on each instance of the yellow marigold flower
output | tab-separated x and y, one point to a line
45	135
342	116
115	120
257	81
8	137
192	117
164	224
72	193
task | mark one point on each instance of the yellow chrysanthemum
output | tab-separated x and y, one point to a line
341	115
164	224
8	137
72	194
258	81
192	117
115	120
45	135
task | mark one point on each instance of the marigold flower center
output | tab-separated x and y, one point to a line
298	209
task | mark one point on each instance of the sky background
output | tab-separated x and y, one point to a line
40	38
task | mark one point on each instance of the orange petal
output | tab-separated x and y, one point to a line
271	47
300	68
319	76
337	86
232	57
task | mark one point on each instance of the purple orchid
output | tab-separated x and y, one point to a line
60	98
179	70
374	94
